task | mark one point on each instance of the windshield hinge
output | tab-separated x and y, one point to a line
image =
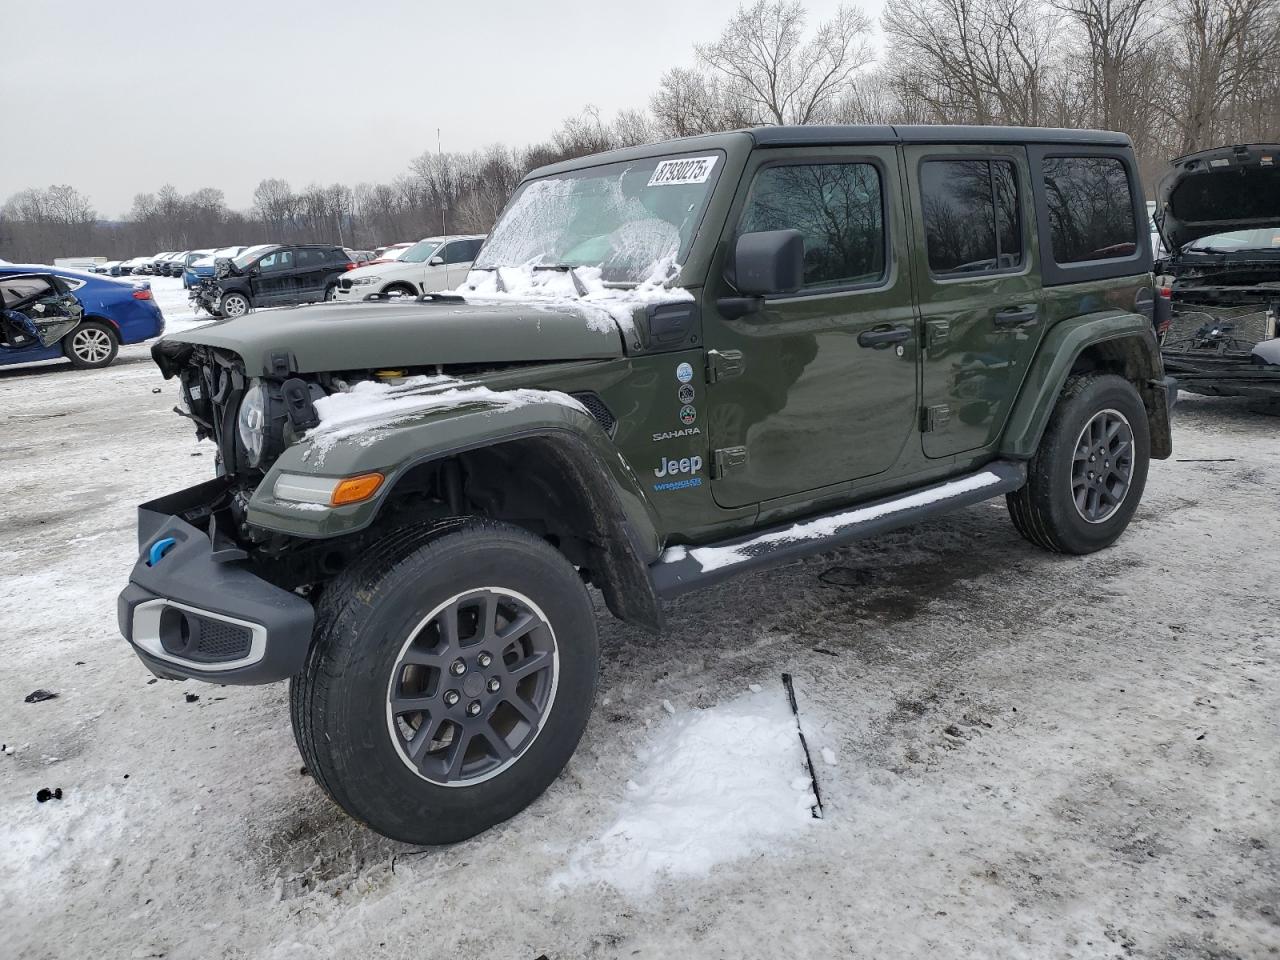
726	459
723	364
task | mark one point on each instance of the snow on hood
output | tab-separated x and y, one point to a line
371	405
600	303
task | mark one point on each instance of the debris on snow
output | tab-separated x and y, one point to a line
44	794
38	696
717	785
192	697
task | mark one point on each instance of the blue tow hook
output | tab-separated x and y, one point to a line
159	549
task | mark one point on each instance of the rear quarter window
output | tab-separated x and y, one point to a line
1090	209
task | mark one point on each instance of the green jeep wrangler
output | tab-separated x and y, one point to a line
669	364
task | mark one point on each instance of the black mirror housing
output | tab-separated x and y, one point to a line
769	262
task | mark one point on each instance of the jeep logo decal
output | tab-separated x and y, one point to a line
671	468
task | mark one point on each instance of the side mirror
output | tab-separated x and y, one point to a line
436	262
769	262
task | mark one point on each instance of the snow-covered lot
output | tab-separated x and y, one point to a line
1020	755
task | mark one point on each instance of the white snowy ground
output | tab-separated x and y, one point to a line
1020	755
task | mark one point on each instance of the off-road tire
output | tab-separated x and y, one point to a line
92	345
233	295
1044	510
339	702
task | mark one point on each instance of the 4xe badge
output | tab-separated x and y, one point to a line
684	373
686	393
688	415
685	467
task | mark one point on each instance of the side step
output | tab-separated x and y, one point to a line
681	569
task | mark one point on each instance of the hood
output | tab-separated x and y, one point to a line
412	333
371	268
1219	190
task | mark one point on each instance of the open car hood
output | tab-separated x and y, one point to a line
412	333
1219	190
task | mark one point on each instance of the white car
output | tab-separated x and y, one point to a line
434	263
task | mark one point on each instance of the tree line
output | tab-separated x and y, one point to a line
1176	75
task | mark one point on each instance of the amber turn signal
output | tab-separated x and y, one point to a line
356	489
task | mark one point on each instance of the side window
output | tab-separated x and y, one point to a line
460	251
971	220
838	207
1090	209
309	257
277	260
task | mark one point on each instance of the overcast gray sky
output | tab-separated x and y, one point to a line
222	94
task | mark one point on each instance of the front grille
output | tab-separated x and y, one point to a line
1220	328
344	283
596	407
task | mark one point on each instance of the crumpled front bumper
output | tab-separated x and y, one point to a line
195	610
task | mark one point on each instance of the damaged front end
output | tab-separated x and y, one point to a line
1219	216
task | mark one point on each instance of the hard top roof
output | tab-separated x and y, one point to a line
850	135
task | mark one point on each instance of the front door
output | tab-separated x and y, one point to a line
458	255
978	286
274	277
819	387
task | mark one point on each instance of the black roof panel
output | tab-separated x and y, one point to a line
928	133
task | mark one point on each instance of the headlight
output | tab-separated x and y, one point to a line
364	281
253	421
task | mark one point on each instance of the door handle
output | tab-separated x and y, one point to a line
1016	316
883	336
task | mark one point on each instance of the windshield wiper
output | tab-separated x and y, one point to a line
497	277
570	269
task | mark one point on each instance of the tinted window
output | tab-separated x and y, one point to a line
460	251
279	260
839	209
311	258
1090	209
971	215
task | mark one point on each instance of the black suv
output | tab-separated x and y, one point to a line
272	276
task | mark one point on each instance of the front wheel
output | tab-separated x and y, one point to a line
91	345
233	305
1087	476
330	292
449	681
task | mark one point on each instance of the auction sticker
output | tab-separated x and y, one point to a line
684	373
686	170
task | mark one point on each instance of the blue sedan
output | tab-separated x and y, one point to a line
47	313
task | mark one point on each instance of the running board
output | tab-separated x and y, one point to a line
681	569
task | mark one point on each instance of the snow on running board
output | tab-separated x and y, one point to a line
717	785
713	558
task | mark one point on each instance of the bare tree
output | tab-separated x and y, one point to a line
783	78
1226	46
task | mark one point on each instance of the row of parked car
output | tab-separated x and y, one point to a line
179	263
236	281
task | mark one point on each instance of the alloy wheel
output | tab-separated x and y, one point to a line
1102	466
472	686
235	306
91	345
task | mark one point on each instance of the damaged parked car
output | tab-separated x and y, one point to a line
1219	216
669	365
273	275
45	315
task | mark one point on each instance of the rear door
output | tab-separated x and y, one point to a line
978	288
37	308
313	268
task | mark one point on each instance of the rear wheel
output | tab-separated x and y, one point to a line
1087	477
233	305
91	345
449	682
